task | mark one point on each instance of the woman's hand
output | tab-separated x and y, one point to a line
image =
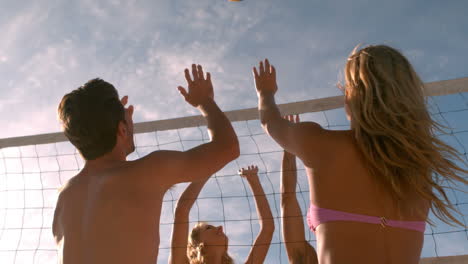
265	79
250	173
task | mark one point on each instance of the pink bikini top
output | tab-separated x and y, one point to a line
317	216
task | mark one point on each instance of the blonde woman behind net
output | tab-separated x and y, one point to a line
371	187
207	243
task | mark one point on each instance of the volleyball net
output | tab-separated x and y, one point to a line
33	168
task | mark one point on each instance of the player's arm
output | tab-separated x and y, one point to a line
204	160
291	215
261	245
181	222
297	138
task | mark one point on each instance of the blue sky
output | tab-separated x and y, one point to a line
50	47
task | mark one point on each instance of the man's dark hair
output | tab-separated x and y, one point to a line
90	116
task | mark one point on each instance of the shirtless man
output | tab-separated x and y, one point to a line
110	211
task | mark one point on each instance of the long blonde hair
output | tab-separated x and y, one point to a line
394	130
195	247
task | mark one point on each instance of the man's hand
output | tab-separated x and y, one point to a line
128	110
200	89
265	79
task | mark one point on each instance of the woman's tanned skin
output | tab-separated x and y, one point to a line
340	180
298	249
180	232
110	211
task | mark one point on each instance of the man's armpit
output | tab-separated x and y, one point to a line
57	229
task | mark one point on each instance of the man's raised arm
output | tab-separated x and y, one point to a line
206	159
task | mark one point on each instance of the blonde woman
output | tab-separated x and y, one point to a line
207	243
371	187
298	249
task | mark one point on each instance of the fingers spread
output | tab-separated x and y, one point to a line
182	91
187	76
255	72
267	66
262	69
200	72
208	76
194	72
251	170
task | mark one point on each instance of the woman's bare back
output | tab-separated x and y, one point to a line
342	182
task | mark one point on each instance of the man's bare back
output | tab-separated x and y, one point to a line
109	218
110	211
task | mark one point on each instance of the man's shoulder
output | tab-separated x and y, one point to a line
149	169
155	155
156	159
73	181
68	188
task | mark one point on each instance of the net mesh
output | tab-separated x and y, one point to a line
30	177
